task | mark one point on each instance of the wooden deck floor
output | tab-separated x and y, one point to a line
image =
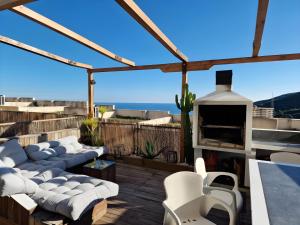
140	199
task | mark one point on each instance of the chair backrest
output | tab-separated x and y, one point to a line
285	157
200	168
182	187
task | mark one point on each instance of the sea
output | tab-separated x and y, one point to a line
172	108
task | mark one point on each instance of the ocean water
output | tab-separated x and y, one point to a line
144	106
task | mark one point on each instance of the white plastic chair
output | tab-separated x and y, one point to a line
224	194
285	157
186	204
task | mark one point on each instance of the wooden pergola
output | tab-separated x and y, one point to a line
137	14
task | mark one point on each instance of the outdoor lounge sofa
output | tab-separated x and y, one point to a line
43	178
67	150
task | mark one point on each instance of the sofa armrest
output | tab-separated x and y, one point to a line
25	201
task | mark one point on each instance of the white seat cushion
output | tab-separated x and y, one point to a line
30	169
46	175
71	195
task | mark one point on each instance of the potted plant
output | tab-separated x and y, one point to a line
89	132
102	111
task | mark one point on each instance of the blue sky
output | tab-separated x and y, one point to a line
200	29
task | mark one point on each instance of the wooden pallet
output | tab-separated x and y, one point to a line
15	212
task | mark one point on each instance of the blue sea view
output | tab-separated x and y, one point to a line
144	106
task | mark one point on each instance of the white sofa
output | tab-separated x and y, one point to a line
44	180
67	150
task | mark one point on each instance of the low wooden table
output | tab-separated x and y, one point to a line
102	169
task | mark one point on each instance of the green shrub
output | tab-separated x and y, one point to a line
89	132
102	110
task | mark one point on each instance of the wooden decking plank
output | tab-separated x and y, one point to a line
140	198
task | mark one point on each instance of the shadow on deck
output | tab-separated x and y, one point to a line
140	199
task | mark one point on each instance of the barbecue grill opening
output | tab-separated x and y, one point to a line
222	124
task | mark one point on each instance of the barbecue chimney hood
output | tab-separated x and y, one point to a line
223	93
222	120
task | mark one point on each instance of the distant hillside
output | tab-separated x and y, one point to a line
287	105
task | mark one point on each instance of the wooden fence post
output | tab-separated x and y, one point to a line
91	83
183	87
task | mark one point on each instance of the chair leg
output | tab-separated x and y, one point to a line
165	218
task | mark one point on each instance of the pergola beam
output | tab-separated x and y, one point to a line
134	10
7	4
43	53
36	17
207	64
127	68
260	23
201	65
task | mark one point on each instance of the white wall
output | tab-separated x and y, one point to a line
131	113
276	123
156	114
265	123
158	121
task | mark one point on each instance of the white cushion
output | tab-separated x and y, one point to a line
63	149
31	169
77	146
37	147
12	154
67	140
70	159
11	182
93	152
40	151
72	195
46	175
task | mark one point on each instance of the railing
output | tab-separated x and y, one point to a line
131	136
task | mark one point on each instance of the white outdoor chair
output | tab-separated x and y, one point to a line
186	204
285	157
224	194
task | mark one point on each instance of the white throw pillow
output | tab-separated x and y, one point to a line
40	151
12	182
12	154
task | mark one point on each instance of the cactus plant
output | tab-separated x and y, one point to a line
186	106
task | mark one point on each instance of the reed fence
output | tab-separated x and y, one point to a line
131	138
12	116
39	126
128	138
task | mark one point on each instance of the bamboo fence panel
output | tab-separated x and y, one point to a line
114	134
161	137
12	116
132	137
39	126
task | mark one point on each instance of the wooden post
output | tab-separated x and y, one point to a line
91	83
183	83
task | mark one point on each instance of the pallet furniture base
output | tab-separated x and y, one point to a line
16	210
13	213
